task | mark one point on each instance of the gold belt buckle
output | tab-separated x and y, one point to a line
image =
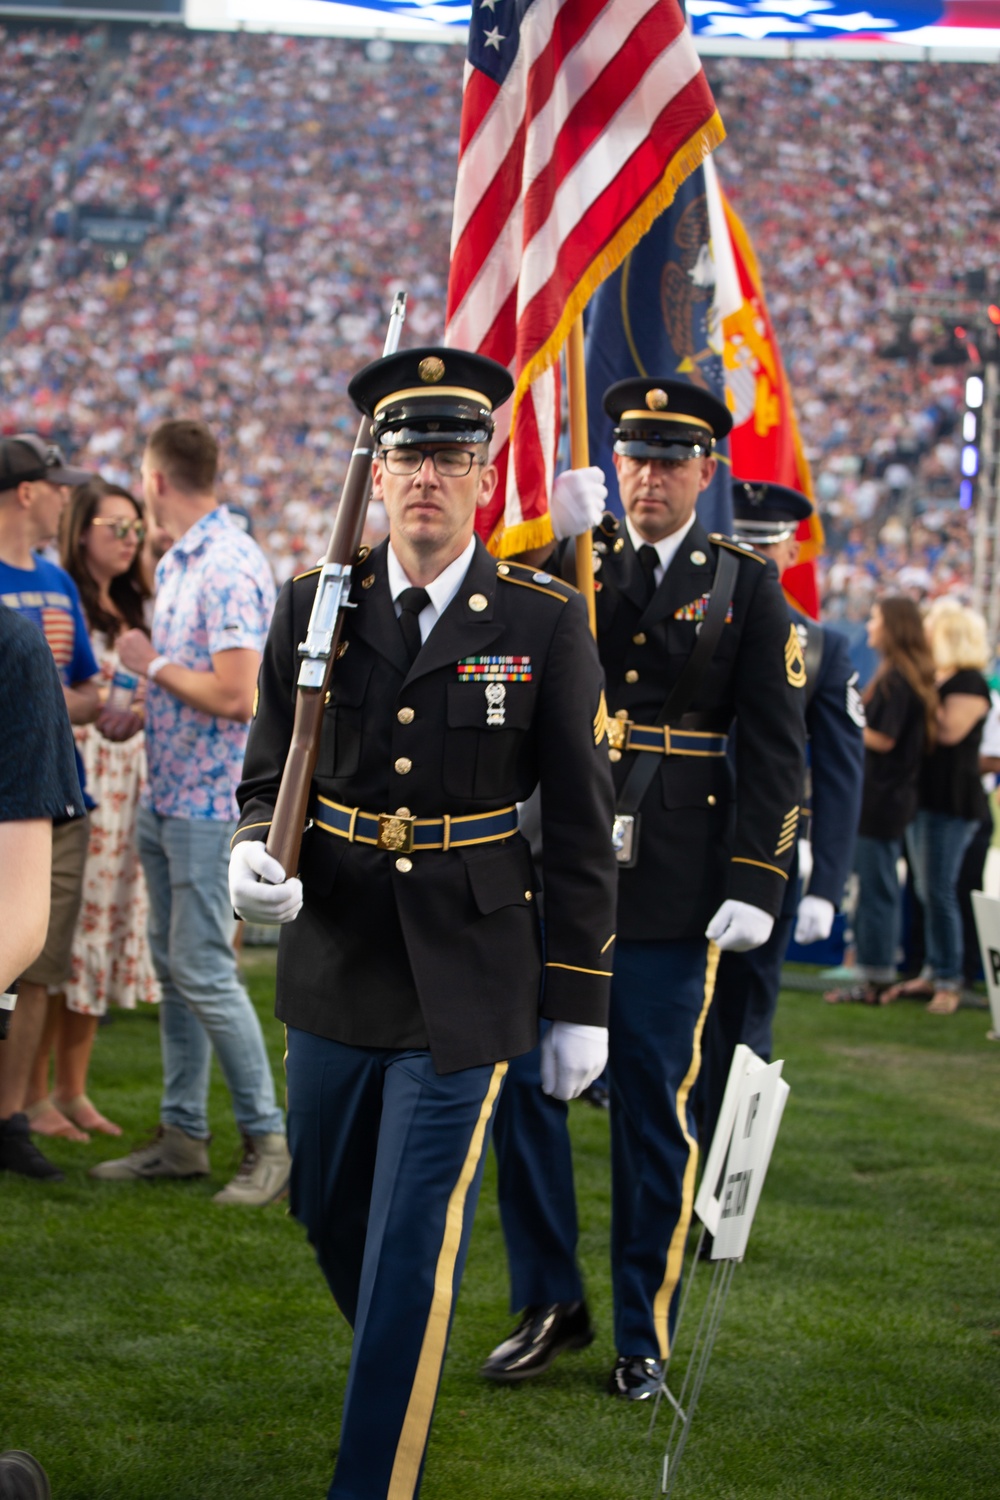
395	833
618	733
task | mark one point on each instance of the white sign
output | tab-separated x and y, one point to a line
737	1164
986	910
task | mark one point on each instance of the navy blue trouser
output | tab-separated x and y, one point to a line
535	1189
659	999
660	996
746	998
387	1162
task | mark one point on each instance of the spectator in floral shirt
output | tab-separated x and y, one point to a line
214	600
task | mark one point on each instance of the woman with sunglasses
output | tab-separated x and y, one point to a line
101	547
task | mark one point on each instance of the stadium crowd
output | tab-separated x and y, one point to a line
269	173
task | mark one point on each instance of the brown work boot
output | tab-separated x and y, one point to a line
170	1153
263	1173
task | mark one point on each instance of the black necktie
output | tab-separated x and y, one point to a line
411	602
649	560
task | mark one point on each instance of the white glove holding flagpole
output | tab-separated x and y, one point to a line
258	888
578	501
814	921
737	927
573	1055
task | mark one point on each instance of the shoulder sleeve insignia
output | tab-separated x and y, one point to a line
795	663
601	720
855	703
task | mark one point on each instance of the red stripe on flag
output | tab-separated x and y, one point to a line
638	177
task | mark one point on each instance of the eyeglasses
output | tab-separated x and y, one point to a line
121	528
450	463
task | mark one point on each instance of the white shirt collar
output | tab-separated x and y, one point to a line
666	548
441	589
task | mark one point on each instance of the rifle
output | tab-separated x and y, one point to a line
318	650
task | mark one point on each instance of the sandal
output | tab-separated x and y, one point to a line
855	994
908	989
945	1003
46	1118
85	1114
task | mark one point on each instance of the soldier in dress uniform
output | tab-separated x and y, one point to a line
705	866
766	517
411	969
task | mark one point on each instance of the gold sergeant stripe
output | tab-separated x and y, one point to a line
675	1250
420	1407
738	859
432	391
610	940
575	968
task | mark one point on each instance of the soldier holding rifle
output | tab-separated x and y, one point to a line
410	969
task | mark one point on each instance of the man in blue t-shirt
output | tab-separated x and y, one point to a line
34	488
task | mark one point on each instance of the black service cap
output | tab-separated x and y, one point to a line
424	394
670	419
767	513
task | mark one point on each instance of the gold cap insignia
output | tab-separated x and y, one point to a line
657	399
431	369
478	602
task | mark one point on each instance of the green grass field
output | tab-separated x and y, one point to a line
157	1347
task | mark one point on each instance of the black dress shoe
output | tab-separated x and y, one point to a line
634	1378
540	1337
18	1152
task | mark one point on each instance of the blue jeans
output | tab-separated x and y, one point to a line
204	1004
936	843
877	920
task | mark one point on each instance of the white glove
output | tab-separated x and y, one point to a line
577	503
572	1057
815	919
738	926
258	888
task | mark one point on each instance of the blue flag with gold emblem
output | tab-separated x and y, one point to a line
658	315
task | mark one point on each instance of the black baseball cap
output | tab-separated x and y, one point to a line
26	457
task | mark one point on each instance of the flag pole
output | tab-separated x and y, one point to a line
579	458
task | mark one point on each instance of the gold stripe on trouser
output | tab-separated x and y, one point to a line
284	1064
420	1408
675	1253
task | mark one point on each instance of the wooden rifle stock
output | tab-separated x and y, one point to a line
317	652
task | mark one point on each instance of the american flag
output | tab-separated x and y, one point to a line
580	119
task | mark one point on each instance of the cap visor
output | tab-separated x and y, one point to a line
62	475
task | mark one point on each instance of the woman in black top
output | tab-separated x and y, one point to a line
952	802
900	708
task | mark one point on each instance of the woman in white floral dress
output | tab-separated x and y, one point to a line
101	547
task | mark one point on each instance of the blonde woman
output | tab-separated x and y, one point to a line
951	802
